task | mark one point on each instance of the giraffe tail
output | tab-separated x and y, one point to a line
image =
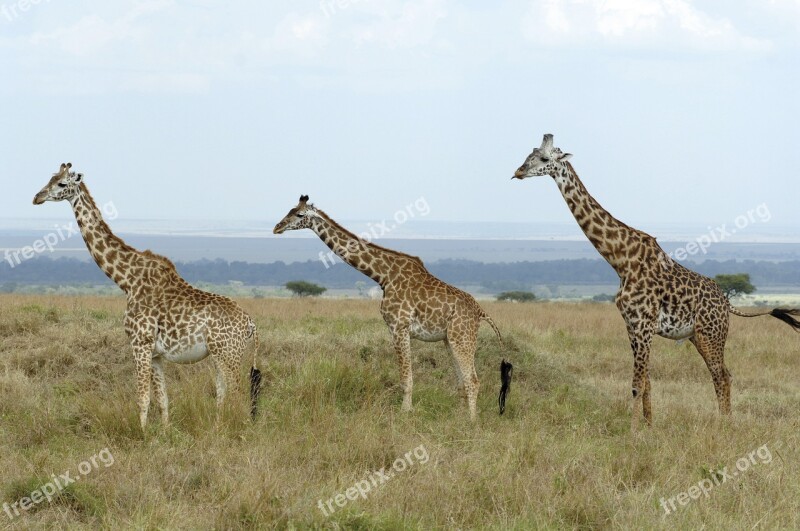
489	320
255	374
784	314
506	369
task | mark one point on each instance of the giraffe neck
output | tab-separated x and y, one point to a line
109	252
362	255
604	231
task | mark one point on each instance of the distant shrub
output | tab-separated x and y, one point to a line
603	297
517	296
302	288
735	284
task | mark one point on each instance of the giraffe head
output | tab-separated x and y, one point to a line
63	185
544	160
298	217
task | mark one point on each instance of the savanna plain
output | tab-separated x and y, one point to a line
561	457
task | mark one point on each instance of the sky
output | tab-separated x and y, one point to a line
675	111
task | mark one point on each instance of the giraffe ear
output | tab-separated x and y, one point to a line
565	157
78	178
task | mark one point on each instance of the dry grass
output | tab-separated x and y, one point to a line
561	457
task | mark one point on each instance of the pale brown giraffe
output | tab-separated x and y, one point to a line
657	295
415	304
165	318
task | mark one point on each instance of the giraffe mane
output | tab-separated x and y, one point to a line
399	254
622	223
166	262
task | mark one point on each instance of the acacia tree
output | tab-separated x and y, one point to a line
301	288
735	284
516	296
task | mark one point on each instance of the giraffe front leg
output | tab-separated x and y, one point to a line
641	338
402	346
160	390
646	408
144	375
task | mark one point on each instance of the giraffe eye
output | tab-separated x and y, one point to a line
62	185
299	215
545	159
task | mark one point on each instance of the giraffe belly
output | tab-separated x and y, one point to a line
182	353
426	334
672	327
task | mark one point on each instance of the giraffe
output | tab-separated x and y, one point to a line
165	317
656	295
415	304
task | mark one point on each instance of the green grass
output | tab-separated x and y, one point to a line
562	457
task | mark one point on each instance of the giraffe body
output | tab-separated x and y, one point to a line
165	318
657	296
415	304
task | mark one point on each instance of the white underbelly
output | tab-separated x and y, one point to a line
423	334
182	353
671	328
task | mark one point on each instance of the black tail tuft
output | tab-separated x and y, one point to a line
255	389
506	370
786	317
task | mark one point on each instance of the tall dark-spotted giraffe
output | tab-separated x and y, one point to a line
657	295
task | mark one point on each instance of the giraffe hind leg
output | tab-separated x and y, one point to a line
713	352
160	390
462	391
464	356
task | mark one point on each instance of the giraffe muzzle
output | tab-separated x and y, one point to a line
38	199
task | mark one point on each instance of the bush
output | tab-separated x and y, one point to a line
302	288
736	284
517	296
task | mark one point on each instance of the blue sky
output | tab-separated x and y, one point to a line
675	111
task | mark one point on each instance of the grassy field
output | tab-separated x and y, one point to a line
561	457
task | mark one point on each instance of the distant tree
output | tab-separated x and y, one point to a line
604	297
302	288
735	284
516	296
8	287
360	285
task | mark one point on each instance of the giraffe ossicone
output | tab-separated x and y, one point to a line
165	317
415	304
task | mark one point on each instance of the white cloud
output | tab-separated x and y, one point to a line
406	25
638	24
170	46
